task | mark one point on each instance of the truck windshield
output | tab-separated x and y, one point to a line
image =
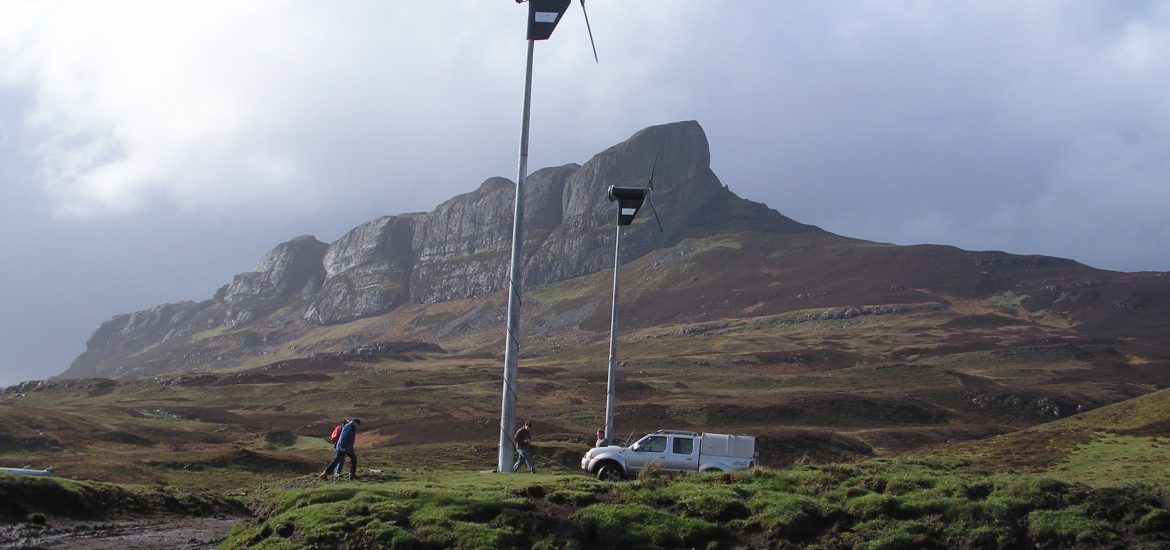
652	444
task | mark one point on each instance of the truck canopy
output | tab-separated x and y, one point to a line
739	446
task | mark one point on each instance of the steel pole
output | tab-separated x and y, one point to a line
512	342
611	382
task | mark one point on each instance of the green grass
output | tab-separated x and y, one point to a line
1109	458
640	525
571	290
1008	299
89	500
1067	527
209	333
877	504
1116	445
704	245
303	442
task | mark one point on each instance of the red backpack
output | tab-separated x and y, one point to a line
336	434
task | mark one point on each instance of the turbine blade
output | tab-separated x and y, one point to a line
590	29
655	211
650	191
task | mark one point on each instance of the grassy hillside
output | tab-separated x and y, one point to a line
428	446
987	298
831	351
1127	442
25	497
876	504
816	384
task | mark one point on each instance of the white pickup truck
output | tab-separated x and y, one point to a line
673	451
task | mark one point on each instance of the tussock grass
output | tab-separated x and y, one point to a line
1108	458
1122	443
22	497
875	504
1008	299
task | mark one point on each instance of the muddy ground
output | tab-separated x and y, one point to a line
170	532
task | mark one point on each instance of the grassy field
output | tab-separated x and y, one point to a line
874	504
1107	458
1016	430
1123	443
877	504
25	498
812	386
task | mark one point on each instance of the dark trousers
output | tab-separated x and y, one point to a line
339	459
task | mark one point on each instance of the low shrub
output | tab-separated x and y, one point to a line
788	516
884	504
1065	528
641	526
871	506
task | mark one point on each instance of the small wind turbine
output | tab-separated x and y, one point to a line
630	200
543	16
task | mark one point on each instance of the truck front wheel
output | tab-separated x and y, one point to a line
609	472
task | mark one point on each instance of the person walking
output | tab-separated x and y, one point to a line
523	441
343	449
333	438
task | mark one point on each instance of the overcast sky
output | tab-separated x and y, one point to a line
150	150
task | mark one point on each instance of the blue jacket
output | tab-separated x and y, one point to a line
345	441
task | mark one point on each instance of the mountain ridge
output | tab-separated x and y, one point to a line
451	263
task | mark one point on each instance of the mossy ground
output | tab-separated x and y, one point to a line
1108	458
875	504
24	496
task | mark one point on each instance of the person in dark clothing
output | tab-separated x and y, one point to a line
341	463
523	441
344	448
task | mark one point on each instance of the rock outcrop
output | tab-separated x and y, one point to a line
417	263
462	247
291	270
367	271
459	250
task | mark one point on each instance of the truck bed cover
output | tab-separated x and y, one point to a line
740	446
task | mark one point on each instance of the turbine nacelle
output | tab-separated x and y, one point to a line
543	16
629	201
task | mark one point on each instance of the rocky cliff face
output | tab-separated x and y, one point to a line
291	270
458	250
437	276
366	272
462	247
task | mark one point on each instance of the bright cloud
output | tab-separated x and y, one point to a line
945	115
176	141
210	105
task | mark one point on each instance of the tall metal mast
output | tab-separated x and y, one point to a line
515	271
611	378
629	201
543	16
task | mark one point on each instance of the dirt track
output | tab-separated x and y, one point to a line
153	533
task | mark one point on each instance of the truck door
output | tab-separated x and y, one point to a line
682	454
650	450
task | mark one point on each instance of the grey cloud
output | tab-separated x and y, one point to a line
1033	128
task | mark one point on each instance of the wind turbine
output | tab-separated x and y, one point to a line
543	16
630	200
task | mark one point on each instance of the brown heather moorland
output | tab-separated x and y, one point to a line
842	355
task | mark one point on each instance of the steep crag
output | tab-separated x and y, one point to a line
716	256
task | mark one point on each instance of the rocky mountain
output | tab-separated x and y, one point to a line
437	276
